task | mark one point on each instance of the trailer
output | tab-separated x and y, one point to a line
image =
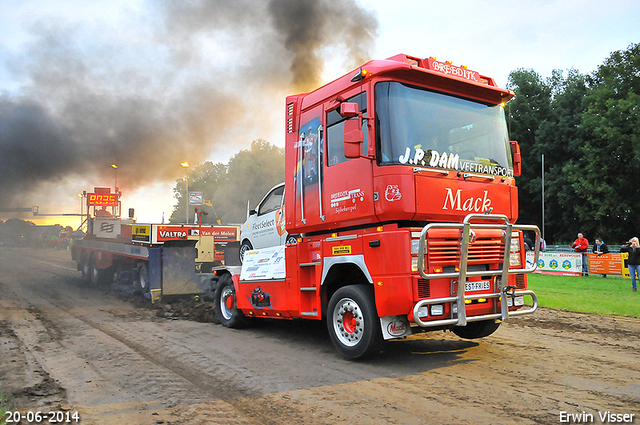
154	260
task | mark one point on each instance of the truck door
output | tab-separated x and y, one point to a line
348	187
308	175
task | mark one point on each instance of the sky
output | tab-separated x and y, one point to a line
148	84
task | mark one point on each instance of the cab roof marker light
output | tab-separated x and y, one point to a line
361	75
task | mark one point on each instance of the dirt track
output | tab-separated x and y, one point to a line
67	346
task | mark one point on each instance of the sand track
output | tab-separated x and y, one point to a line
68	346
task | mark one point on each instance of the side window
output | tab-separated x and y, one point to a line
335	132
272	202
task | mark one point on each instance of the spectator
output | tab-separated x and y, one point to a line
633	262
581	245
600	248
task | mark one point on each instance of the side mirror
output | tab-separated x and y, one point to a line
252	212
349	110
517	158
353	139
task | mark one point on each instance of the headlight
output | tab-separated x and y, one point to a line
423	311
514	257
414	264
415	246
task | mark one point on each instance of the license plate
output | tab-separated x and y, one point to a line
482	285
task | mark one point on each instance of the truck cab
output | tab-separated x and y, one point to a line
399	182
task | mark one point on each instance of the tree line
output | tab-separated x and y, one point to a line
227	188
587	126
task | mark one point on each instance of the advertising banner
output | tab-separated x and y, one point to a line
263	264
561	263
141	233
624	266
606	264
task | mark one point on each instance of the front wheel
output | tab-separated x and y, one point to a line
475	330
227	311
353	323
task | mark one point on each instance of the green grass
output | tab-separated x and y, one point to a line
590	294
4	408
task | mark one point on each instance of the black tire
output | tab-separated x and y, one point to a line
291	240
94	272
353	323
141	282
84	267
226	307
475	330
246	246
98	277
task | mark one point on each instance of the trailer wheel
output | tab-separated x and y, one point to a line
99	276
246	246
84	267
93	271
353	323
475	330
227	311
141	283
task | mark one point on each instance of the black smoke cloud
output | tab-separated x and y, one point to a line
159	96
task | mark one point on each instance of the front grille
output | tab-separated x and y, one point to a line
520	281
424	289
481	251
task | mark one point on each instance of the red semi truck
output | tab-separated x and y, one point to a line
400	212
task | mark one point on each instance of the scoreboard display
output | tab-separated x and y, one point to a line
99	200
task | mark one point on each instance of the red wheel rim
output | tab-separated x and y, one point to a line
349	322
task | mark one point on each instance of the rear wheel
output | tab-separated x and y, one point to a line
99	276
226	306
94	273
353	321
475	330
141	283
84	267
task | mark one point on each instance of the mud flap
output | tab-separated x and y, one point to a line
395	327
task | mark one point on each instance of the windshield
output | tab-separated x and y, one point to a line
423	128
